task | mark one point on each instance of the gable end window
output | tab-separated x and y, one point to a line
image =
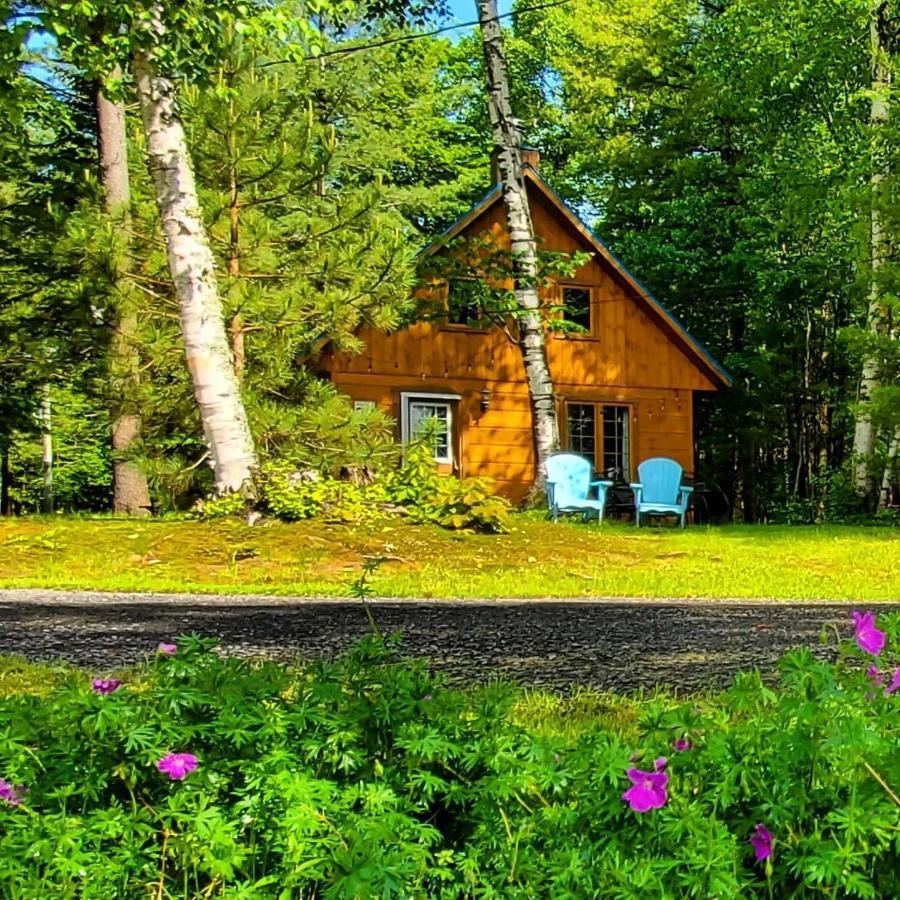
464	303
578	308
434	414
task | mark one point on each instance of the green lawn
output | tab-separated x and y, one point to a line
538	559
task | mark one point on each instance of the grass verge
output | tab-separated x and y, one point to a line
537	559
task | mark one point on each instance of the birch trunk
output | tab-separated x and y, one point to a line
865	432
5	483
890	471
46	452
130	492
193	273
507	142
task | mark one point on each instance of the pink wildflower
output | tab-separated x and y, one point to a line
105	685
177	765
869	638
11	794
648	789
761	839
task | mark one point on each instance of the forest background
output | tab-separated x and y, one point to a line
739	156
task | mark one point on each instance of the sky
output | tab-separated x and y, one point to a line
465	11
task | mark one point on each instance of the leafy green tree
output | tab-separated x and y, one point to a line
725	153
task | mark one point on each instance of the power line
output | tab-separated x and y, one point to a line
406	38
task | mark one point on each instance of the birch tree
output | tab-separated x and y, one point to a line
865	431
507	143
192	268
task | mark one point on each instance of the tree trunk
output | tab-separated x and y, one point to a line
238	353
5	483
507	143
130	492
46	453
193	273
889	478
865	433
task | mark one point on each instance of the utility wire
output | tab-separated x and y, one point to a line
406	38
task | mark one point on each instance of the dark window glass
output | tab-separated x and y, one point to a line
582	432
577	306
464	302
616	461
436	418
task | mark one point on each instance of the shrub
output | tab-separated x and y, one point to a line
450	502
367	777
233	504
292	495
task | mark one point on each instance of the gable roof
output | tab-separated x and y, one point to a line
694	349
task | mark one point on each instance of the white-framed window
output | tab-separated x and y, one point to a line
418	410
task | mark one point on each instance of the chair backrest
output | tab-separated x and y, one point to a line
661	479
571	476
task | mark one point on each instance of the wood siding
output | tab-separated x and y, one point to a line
633	360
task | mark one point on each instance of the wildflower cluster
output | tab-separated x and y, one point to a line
649	790
368	777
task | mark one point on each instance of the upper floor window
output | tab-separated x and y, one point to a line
578	308
464	302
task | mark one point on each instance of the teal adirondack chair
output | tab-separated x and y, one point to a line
569	486
660	489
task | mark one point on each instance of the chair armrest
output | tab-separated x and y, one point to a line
637	489
636	486
602	487
687	489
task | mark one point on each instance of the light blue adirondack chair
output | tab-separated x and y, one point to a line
569	486
660	489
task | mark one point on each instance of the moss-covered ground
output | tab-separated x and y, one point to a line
537	559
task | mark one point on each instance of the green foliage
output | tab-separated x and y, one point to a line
450	502
291	495
82	470
233	504
726	154
467	503
368	777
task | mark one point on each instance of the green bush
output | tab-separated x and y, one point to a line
450	502
234	504
289	496
368	778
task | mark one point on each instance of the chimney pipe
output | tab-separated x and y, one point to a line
530	157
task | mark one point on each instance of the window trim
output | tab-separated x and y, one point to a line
593	333
444	399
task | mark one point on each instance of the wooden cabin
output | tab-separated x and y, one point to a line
624	386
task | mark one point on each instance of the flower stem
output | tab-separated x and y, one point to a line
883	783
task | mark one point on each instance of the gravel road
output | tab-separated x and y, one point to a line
623	645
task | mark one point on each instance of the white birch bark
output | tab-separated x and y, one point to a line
192	268
890	468
865	432
507	142
47	452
